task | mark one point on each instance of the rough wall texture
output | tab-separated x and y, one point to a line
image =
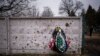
3	36
33	36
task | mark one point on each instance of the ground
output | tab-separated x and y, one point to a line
92	47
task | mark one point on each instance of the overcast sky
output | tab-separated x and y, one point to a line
54	5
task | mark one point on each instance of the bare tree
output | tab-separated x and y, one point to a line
47	12
35	12
29	12
12	7
69	7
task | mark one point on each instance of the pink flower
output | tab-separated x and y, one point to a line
51	43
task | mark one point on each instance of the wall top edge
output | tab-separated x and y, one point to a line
13	18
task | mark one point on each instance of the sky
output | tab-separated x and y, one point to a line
54	5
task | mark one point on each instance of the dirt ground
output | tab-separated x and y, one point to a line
45	55
92	46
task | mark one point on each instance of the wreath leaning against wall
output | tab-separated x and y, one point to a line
58	41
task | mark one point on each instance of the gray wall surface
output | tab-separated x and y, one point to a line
33	35
3	36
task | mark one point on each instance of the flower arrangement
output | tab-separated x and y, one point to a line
58	41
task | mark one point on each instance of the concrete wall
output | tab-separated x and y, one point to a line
3	36
33	35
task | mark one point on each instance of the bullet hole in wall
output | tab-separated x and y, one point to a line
70	23
5	39
37	31
25	47
45	47
43	43
79	49
41	32
22	47
16	37
27	44
27	32
66	24
73	52
48	25
14	43
45	29
44	36
31	41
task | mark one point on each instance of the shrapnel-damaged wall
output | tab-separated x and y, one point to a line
32	35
